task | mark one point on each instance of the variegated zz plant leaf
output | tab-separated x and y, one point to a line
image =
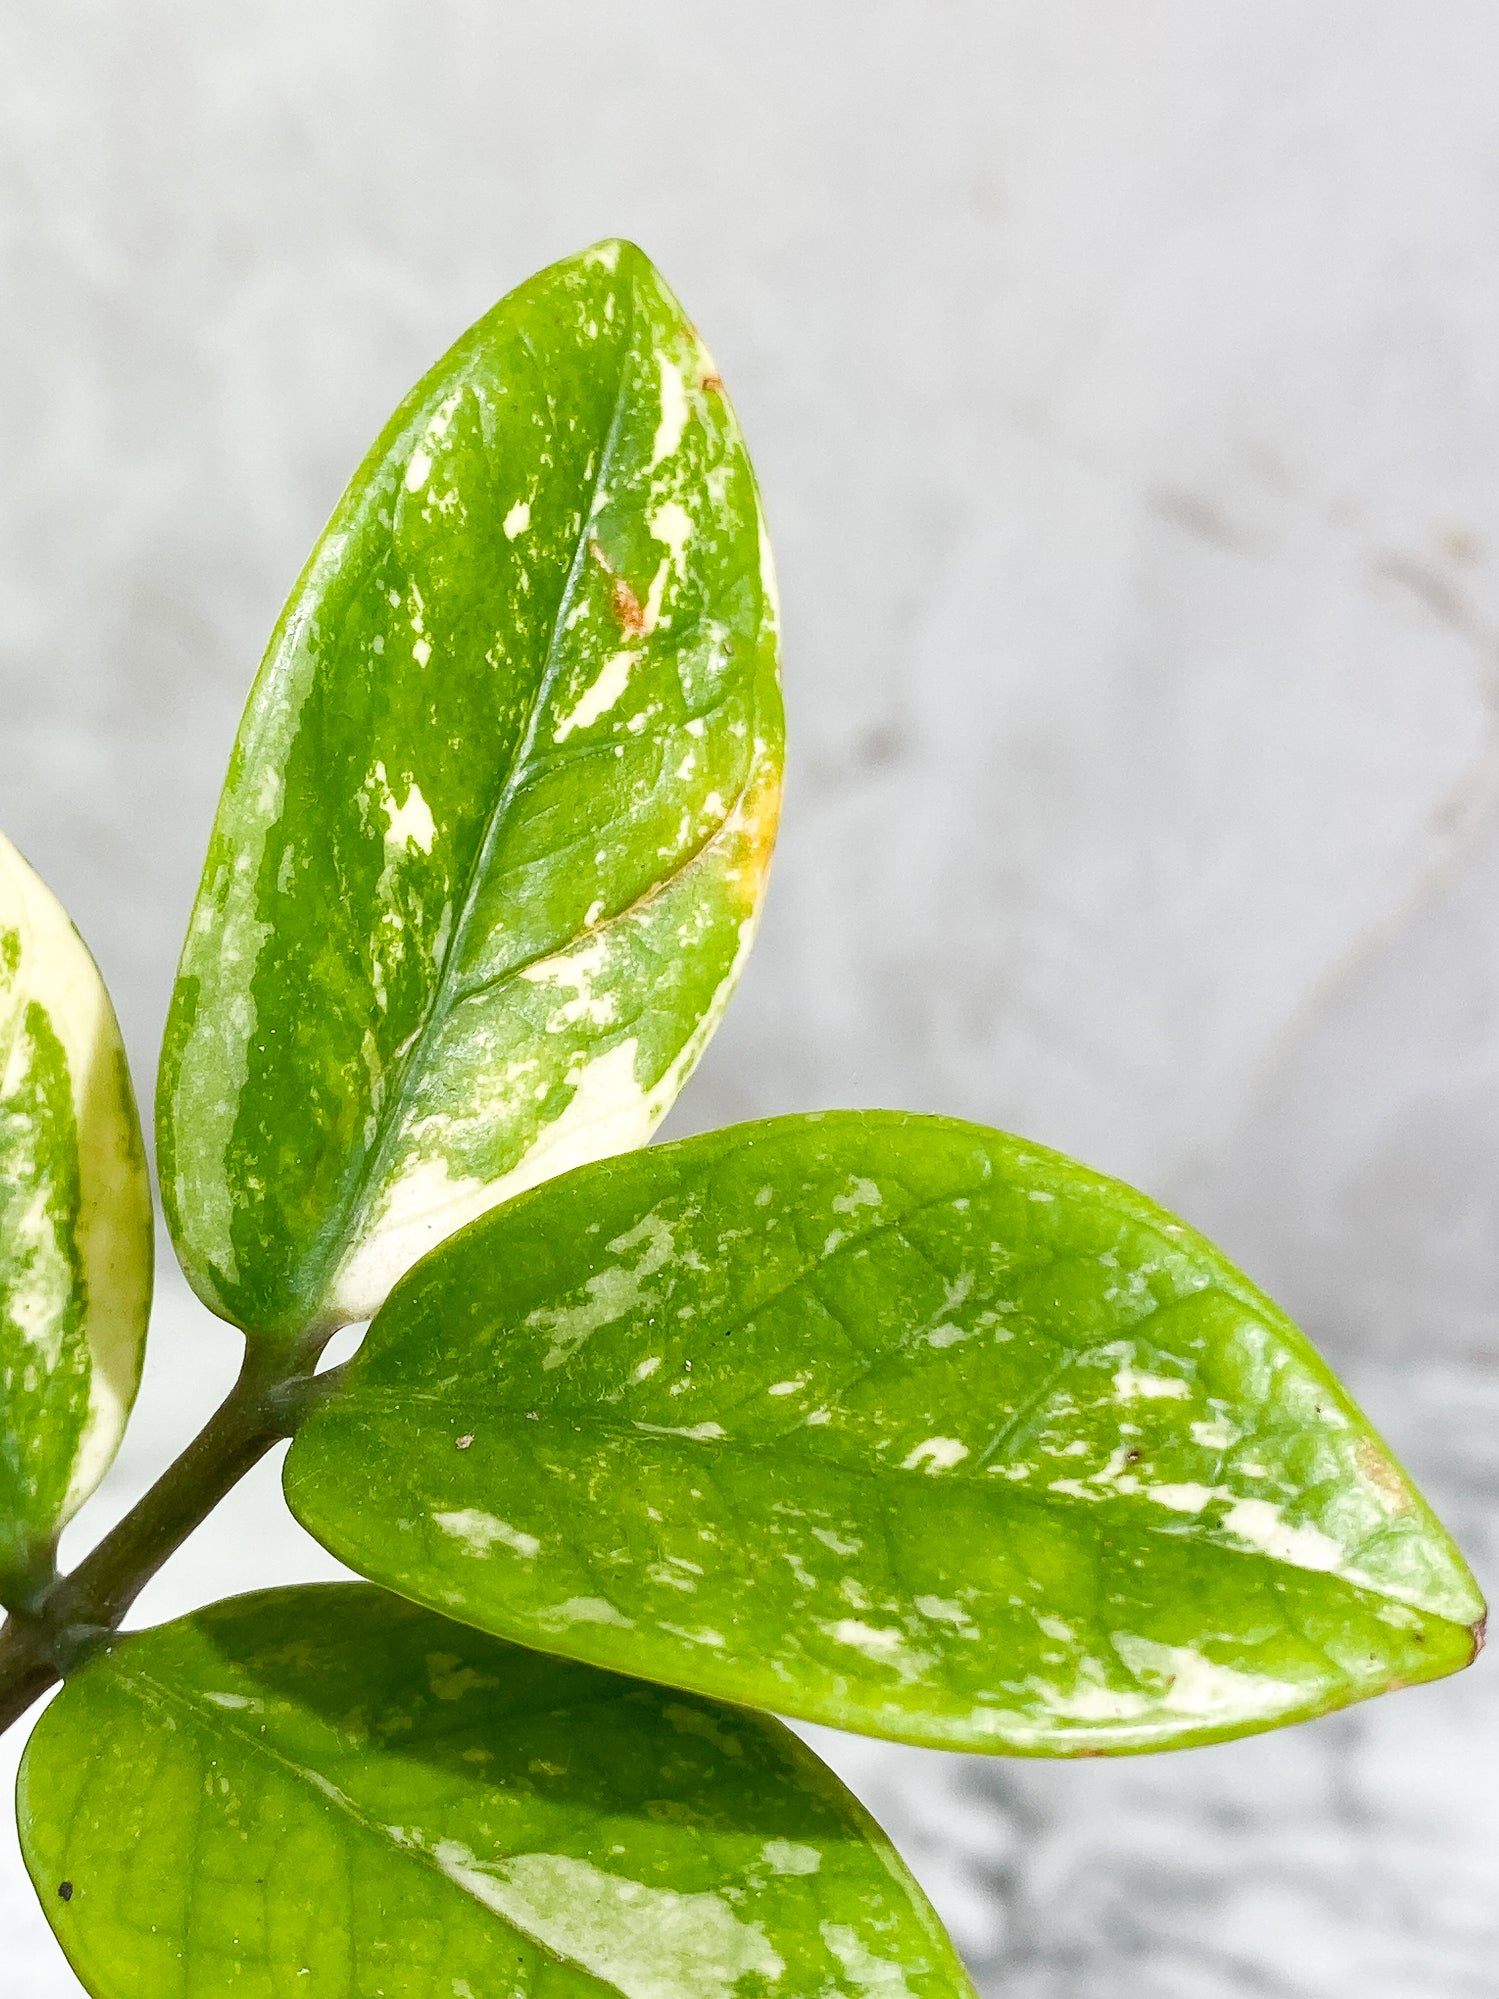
325	1790
495	834
75	1228
893	1423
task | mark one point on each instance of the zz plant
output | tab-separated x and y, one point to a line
884	1421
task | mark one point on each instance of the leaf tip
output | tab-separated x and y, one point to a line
612	252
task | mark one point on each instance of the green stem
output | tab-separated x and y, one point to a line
79	1612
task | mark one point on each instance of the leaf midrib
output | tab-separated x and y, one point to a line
340	1239
661	886
1117	1510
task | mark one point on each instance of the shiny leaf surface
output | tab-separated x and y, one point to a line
75	1226
496	829
327	1792
890	1422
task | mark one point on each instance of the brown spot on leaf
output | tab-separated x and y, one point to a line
1376	1470
713	384
65	1891
627	607
628	610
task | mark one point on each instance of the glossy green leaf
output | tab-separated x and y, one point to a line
75	1227
497	824
327	1792
890	1422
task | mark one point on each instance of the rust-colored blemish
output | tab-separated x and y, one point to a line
713	383
756	820
627	607
1377	1470
1480	1635
628	610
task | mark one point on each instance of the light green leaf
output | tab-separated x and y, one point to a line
890	1422
327	1792
495	833
75	1227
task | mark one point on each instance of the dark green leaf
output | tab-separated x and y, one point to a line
890	1422
75	1227
326	1792
496	829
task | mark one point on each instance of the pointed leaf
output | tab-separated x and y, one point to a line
75	1227
495	833
889	1422
325	1791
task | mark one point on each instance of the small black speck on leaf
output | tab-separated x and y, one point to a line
65	1890
1132	1457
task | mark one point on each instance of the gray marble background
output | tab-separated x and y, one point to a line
1124	382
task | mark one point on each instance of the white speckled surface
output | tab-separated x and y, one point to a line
1125	389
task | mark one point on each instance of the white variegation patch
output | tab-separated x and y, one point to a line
477	1532
609	1112
640	1941
611	1293
935	1454
871	1976
1196	1689
790	1856
1259	1524
408	824
884	1644
675	410
597	700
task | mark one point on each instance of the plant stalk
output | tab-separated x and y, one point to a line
79	1612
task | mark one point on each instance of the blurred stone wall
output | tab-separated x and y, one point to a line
1124	384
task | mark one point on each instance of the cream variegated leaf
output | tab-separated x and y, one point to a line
892	1423
75	1226
495	835
328	1791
